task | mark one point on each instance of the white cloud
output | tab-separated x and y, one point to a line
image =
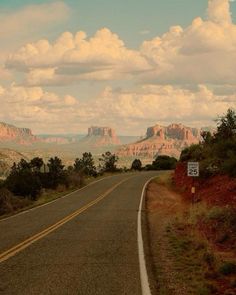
31	18
203	53
75	57
219	11
166	104
48	112
5	74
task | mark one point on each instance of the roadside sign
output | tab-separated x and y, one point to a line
193	169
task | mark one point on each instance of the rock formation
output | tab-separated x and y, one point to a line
161	140
100	136
7	158
10	133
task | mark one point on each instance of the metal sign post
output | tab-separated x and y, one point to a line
193	171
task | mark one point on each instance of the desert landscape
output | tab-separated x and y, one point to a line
17	143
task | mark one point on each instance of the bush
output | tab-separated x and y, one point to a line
193	153
164	163
24	183
75	179
136	165
217	152
10	203
227	268
5	201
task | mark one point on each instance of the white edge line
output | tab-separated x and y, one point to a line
142	263
57	199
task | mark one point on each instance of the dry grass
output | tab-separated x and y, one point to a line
184	260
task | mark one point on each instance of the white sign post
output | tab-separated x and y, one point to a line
193	171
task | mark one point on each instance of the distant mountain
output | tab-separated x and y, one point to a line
162	140
125	139
60	138
11	133
100	137
7	158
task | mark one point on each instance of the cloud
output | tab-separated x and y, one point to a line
219	12
39	109
20	26
151	104
49	112
31	17
202	53
5	74
75	57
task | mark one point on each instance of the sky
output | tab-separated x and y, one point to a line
68	65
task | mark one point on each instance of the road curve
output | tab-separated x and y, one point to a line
93	252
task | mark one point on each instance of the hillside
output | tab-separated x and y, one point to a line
7	158
161	140
11	133
99	137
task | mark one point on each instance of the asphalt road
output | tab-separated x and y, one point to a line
94	252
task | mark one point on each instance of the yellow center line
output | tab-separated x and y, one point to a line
26	243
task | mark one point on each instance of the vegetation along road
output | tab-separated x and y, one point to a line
85	243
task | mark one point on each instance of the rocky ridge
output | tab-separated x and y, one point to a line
10	133
7	158
101	136
162	140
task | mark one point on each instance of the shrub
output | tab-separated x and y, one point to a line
136	165
10	203
164	163
5	201
227	268
193	153
24	183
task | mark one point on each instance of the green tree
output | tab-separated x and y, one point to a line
136	165
56	173
108	162
85	165
22	181
164	163
36	164
226	128
194	152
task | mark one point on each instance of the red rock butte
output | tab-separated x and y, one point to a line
162	140
19	135
102	136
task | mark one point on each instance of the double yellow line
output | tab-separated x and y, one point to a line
21	246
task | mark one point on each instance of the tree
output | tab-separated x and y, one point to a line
226	128
194	152
23	165
136	165
55	165
23	182
56	173
85	165
164	163
108	162
36	164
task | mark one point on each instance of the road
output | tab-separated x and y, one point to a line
85	243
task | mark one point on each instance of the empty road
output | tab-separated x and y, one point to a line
84	243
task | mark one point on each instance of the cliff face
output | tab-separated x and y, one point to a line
7	158
11	133
101	136
162	140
